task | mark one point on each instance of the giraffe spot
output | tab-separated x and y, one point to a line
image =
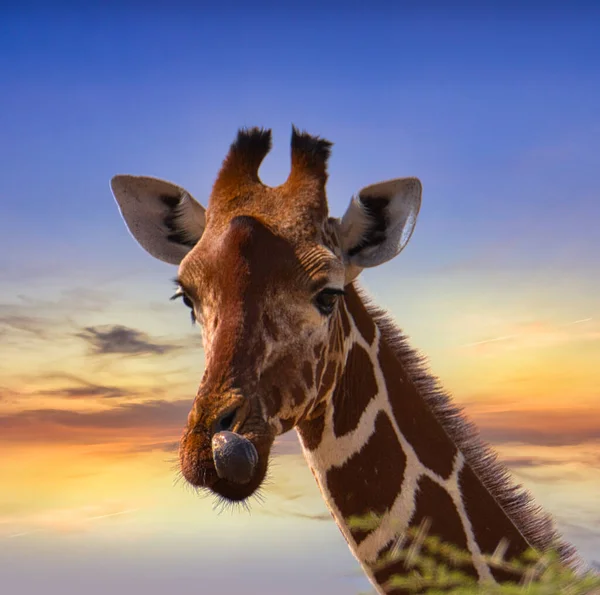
362	319
286	424
416	421
307	373
370	480
435	504
273	401
437	516
311	432
298	394
318	351
355	390
489	522
359	535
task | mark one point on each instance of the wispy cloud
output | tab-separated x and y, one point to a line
64	520
540	334
79	388
524	462
20	323
89	390
39	316
118	339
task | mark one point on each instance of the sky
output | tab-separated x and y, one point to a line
494	108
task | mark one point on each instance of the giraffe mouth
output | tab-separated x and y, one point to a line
231	465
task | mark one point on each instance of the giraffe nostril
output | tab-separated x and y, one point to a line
225	422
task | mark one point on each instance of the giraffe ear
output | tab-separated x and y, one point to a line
378	223
164	218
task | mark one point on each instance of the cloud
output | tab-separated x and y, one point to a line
526	462
538	334
8	395
67	301
23	324
539	436
85	298
81	389
557	427
90	390
118	339
151	420
22	313
171	446
64	520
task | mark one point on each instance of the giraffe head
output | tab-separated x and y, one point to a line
263	270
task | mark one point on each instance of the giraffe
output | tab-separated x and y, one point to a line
291	341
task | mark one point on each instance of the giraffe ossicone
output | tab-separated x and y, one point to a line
291	342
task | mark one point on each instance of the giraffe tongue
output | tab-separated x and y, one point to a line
235	457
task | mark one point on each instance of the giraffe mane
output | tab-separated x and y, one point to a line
536	526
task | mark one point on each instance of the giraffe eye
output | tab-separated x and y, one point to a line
186	300
326	299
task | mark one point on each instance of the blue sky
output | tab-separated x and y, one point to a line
495	108
480	107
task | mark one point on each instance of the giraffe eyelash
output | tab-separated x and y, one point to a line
334	291
180	294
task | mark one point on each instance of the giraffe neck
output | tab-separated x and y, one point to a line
387	444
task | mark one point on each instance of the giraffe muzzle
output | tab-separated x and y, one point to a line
235	457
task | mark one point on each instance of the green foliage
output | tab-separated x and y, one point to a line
433	567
